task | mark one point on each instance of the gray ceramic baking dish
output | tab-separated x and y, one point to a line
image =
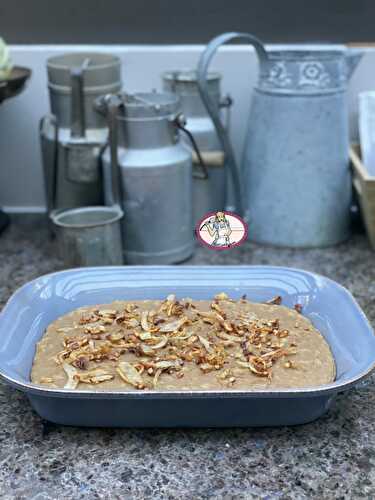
329	306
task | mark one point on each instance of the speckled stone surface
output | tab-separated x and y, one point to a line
333	457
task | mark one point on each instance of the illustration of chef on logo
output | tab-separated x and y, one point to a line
219	229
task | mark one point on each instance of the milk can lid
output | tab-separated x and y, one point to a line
185	82
188	75
149	104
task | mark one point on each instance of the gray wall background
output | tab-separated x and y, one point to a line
184	21
21	177
131	28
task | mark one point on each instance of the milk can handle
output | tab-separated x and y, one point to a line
180	122
211	106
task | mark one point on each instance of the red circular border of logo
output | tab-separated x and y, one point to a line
232	214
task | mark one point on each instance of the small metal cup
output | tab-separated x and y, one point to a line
89	236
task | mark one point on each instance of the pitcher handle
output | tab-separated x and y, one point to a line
211	106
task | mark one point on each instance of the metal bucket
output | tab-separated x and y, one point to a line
89	236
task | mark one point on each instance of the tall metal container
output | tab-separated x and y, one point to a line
73	136
297	186
155	175
213	193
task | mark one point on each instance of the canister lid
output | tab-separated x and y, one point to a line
185	81
98	69
149	104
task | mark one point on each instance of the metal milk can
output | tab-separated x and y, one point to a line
73	136
210	194
155	177
295	169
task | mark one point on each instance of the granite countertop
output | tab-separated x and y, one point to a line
333	457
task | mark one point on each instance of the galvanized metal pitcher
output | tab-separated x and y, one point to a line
295	173
155	177
213	193
73	136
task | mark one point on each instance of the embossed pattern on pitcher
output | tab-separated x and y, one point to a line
278	75
313	73
304	71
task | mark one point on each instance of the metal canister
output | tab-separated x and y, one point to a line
213	193
73	136
155	175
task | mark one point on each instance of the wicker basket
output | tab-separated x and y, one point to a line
364	184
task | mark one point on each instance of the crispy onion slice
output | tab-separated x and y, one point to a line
71	372
130	375
173	326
